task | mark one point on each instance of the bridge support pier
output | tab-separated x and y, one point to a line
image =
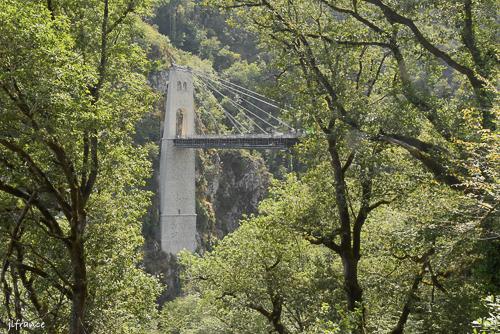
177	166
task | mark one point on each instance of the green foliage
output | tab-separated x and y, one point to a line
256	271
202	31
390	225
70	99
400	164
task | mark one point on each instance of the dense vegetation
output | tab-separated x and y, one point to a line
388	223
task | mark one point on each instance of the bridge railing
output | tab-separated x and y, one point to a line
294	134
269	141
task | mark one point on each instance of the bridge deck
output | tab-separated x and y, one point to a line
238	141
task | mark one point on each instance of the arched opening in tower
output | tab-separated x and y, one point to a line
179	128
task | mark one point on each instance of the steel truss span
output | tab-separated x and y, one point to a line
236	142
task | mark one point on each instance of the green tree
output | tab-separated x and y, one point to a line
262	277
363	93
73	85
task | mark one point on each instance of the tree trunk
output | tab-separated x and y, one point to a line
278	326
354	292
79	288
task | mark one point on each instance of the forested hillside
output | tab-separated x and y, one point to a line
383	219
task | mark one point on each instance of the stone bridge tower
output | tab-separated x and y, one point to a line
177	166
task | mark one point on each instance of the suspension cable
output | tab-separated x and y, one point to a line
237	107
240	108
233	119
206	75
217	128
265	112
239	91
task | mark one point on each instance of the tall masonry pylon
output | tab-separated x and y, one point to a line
177	166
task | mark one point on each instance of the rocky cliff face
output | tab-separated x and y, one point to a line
230	184
243	182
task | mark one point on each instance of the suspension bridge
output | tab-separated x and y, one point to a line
250	122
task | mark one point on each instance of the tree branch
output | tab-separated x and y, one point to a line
15	235
327	242
130	9
439	171
348	162
49	221
50	7
393	17
379	203
43	274
366	180
377	74
355	15
345	42
411	295
410	92
38	173
470	41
